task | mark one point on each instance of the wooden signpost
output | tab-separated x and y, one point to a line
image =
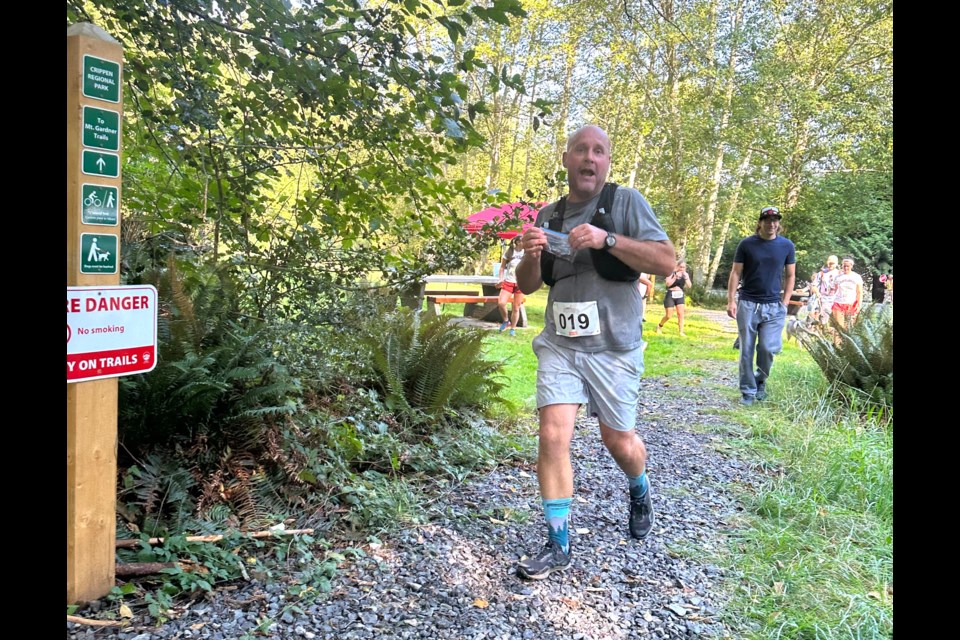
94	115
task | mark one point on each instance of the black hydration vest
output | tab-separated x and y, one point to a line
608	266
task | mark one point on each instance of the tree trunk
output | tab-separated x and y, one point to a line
702	266
133	543
731	211
529	137
635	163
560	136
133	569
676	171
797	160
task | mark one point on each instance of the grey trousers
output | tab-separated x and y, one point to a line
760	326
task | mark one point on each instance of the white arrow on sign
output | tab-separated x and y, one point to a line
101	162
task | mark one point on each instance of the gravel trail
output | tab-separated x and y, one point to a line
453	578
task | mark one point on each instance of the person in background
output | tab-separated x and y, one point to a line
846	306
508	286
761	260
673	297
589	352
878	287
645	287
825	288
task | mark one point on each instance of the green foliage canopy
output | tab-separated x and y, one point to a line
845	214
304	145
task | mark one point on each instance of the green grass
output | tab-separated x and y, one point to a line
815	545
811	556
520	365
516	352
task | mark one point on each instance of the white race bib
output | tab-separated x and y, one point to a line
576	319
676	293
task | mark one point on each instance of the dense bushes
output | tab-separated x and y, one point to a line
426	367
860	359
246	422
700	296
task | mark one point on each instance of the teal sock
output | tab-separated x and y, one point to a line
557	513
639	485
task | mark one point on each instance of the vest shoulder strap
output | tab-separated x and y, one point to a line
608	266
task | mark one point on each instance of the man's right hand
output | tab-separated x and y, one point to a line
732	310
534	240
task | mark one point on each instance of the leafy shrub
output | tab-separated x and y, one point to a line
157	494
861	358
215	369
322	347
701	296
211	412
427	367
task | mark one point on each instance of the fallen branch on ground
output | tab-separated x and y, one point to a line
96	623
131	569
132	543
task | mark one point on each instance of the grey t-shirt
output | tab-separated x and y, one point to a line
618	303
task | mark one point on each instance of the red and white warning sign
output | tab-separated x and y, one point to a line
111	331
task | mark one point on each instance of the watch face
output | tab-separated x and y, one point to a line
611	240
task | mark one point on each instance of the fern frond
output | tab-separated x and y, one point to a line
862	359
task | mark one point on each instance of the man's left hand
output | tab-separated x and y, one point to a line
587	236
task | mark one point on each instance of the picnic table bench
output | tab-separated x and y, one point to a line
450	292
481	307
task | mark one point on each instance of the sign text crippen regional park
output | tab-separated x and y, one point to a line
111	331
101	79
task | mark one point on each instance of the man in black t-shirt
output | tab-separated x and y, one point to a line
761	312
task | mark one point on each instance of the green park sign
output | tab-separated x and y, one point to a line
101	79
98	253
99	204
101	128
96	163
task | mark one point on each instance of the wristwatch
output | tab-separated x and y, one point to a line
610	241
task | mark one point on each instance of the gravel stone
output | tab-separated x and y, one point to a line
453	578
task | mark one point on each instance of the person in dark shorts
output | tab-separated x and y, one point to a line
673	298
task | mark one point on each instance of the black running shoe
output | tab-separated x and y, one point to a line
551	558
762	390
641	515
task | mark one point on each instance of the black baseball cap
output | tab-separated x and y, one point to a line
770	212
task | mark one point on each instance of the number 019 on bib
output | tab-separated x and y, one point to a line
576	319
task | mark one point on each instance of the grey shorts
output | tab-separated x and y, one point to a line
608	382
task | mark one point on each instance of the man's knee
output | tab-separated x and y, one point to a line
556	425
554	441
622	442
764	350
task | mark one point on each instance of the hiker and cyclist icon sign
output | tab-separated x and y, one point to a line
99	205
